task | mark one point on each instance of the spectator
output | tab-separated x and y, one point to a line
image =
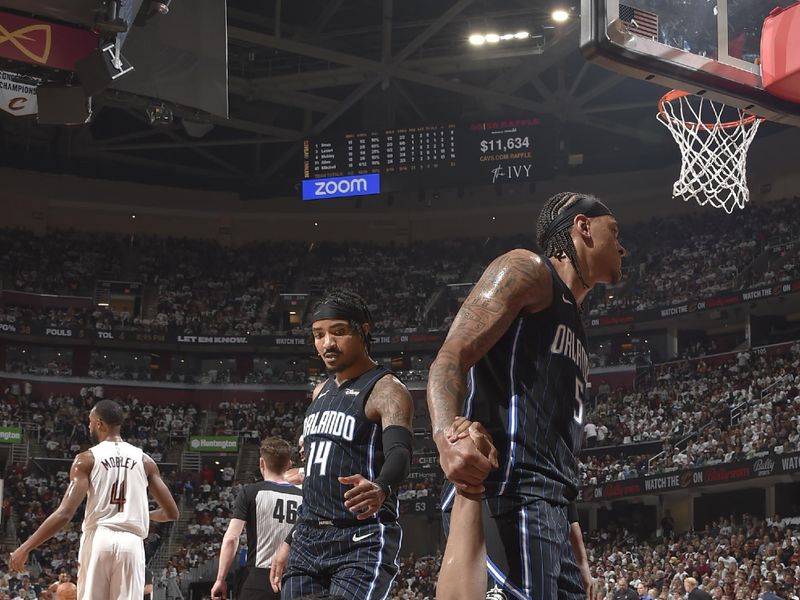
623	592
693	592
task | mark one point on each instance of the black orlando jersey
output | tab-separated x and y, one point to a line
339	441
528	391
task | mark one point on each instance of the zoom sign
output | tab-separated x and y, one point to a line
338	187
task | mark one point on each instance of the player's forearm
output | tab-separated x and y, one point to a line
226	554
576	539
462	576
447	386
160	515
51	526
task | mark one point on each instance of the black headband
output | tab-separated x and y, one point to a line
332	310
588	205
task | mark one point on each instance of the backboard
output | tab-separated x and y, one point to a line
705	47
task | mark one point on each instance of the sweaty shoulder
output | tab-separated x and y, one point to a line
525	275
84	461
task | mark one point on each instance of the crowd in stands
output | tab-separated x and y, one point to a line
209	495
721	404
206	288
730	559
201	287
255	420
681	258
397	281
60	263
416	579
63	424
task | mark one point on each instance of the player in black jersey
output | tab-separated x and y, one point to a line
357	440
463	572
268	511
515	360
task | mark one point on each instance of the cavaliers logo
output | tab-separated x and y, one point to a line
33	41
686	478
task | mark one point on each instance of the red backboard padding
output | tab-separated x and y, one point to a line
780	53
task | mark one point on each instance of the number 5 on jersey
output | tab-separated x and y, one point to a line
318	455
578	414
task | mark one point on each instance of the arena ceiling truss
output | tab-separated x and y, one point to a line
357	65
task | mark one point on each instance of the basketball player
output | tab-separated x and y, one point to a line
463	573
114	477
268	510
357	439
515	361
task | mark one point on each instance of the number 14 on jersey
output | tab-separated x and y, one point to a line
318	455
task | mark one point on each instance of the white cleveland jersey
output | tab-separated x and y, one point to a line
118	489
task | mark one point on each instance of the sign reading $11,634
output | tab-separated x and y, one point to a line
427	157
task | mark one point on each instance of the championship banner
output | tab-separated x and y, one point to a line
10	435
763	466
214	443
17	94
43	43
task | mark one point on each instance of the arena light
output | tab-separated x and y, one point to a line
479	39
560	15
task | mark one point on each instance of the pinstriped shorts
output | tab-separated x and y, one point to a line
528	552
354	562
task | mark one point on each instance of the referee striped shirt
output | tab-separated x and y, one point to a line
269	510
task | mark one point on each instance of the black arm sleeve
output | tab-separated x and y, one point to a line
397	458
290	536
572	512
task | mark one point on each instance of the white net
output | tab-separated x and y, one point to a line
714	139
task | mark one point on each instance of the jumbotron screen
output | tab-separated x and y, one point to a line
426	157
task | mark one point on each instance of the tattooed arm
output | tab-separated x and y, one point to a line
515	282
391	405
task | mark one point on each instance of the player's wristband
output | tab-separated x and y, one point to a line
397	458
572	512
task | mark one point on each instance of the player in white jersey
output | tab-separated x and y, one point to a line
114	478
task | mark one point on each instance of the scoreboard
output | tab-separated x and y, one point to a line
415	158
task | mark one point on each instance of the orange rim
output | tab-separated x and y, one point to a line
676	94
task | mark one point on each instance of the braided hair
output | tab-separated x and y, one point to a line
559	244
352	301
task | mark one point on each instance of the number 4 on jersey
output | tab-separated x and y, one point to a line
118	495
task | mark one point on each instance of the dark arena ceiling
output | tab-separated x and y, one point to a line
297	70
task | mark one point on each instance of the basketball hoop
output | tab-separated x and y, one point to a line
714	139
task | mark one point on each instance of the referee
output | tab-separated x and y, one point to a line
268	510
